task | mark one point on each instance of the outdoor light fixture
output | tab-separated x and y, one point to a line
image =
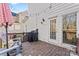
43	20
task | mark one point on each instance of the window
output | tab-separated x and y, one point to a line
53	28
69	28
17	26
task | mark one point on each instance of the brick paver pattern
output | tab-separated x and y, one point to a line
40	48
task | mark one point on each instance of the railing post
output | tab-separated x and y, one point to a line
77	48
17	50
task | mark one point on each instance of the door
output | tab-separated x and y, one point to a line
69	28
53	28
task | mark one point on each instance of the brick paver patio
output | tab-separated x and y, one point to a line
43	49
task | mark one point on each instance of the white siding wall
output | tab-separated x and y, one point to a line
44	29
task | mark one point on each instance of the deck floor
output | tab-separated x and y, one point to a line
40	48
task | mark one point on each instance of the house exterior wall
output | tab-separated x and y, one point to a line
23	17
19	23
18	26
39	11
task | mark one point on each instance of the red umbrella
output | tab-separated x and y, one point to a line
5	18
5	14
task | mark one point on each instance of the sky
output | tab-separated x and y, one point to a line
18	7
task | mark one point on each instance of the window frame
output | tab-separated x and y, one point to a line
53	35
64	16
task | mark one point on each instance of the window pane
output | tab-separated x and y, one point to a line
69	29
53	28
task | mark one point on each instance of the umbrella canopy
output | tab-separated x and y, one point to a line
5	15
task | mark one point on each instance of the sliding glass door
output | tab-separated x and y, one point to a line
69	28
